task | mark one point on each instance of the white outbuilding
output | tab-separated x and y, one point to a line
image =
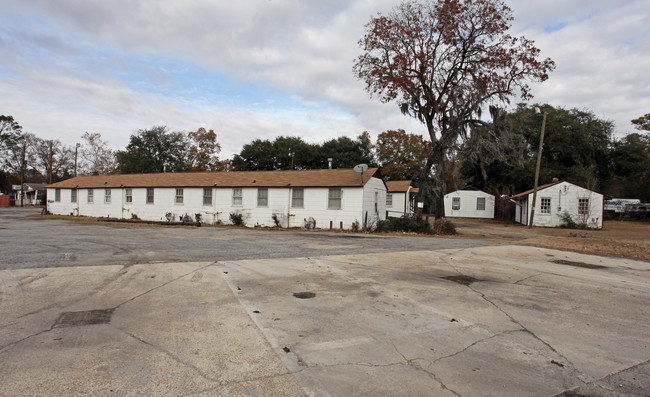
400	198
328	198
469	202
558	201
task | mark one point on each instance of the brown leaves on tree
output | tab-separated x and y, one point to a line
442	61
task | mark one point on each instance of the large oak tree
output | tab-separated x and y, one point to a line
442	61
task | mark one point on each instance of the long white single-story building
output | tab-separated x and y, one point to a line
400	198
557	200
332	198
469	202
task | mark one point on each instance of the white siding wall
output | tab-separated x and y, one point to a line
468	201
400	206
354	201
374	192
397	209
564	198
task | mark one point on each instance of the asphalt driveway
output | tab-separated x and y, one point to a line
470	319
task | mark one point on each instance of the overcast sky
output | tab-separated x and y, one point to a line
263	68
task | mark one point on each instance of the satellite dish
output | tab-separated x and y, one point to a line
360	168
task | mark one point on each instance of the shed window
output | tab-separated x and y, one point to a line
334	199
262	197
107	196
455	203
480	203
128	195
237	196
179	196
298	197
91	195
73	195
57	195
207	196
149	195
583	206
545	205
389	200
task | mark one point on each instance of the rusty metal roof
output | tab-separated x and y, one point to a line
290	178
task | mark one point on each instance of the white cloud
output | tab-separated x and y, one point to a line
70	66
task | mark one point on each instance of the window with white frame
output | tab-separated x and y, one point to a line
107	196
179	196
57	195
334	198
128	195
150	195
91	195
455	203
262	197
545	205
389	200
297	197
207	196
73	195
236	196
480	203
583	206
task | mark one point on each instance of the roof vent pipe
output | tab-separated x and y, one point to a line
329	163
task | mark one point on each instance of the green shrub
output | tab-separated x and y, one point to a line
197	217
404	224
416	225
236	219
569	223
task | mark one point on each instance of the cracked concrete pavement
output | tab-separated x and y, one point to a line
378	324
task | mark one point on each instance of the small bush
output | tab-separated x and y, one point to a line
569	223
443	226
134	217
404	224
355	226
416	225
197	217
237	219
276	220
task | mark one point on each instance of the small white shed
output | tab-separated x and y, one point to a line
558	200
469	202
400	198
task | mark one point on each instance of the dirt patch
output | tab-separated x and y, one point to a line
578	264
461	279
621	239
304	295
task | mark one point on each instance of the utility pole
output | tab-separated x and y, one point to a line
22	176
539	161
76	149
51	164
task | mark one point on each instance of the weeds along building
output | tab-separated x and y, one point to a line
331	198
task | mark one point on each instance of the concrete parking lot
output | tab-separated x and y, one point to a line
351	316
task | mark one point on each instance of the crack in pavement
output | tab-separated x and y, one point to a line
597	382
523	327
169	354
415	365
165	284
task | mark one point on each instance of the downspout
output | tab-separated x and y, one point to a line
214	204
289	205
122	189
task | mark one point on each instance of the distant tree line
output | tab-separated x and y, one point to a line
498	156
